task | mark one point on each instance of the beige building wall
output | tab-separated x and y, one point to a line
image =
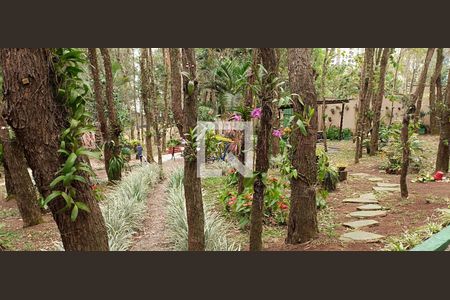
351	108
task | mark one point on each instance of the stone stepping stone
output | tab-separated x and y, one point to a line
360	201
385	184
359	174
375	179
444	210
368	214
361	236
360	224
369	207
368	196
386	189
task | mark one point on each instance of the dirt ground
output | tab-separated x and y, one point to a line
153	235
45	236
403	215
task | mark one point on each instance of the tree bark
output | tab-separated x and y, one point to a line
364	99
38	118
442	160
155	112
322	94
418	95
10	191
100	107
115	129
405	148
379	101
20	179
145	95
165	97
192	181
248	103
302	224
394	88
434	82
176	89
268	57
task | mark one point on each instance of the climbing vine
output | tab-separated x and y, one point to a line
73	92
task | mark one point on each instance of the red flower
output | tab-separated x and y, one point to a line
282	206
232	201
93	187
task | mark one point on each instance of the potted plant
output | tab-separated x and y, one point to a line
342	173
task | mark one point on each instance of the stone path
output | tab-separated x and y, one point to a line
369	208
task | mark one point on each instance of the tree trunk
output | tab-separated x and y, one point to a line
10	190
145	95
435	81
302	224
378	102
38	119
406	151
192	181
175	74
364	98
322	94
394	88
155	112
442	159
418	95
268	57
17	166
100	107
115	129
166	100
248	103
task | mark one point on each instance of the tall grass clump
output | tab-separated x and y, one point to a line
125	206
215	226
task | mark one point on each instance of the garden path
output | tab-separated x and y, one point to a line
369	208
153	235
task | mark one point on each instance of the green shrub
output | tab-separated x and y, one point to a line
327	175
333	133
394	151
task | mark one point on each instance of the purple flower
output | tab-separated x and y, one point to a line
277	133
256	113
237	117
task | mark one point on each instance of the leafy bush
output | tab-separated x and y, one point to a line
394	152
125	206
276	204
333	133
327	175
215	226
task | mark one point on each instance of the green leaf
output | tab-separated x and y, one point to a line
68	178
69	163
56	181
52	196
82	206
83	151
74	214
64	152
79	178
302	127
67	198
